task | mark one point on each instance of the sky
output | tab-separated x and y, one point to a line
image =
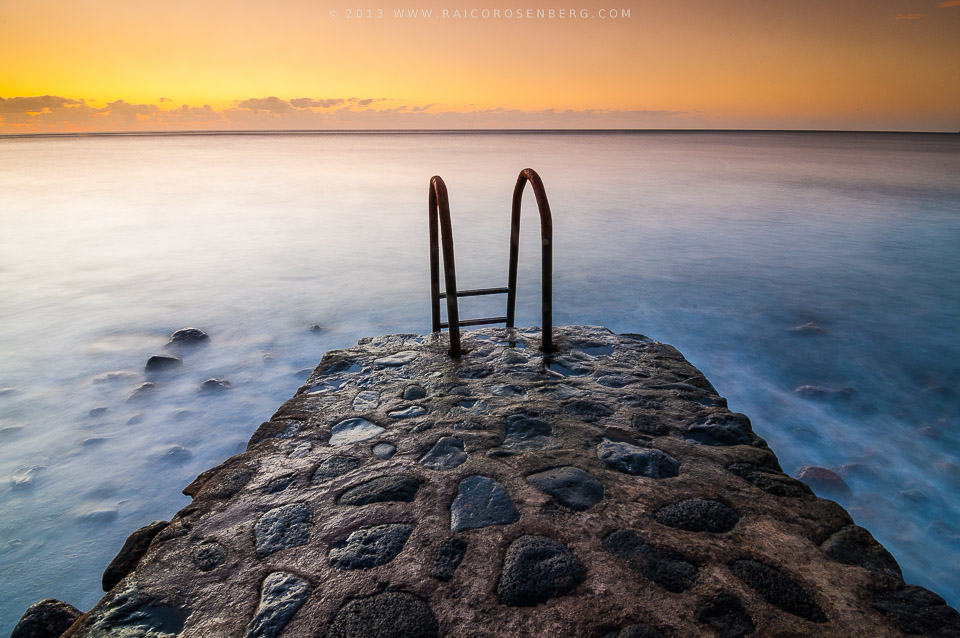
121	65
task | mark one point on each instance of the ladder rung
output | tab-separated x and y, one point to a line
478	292
476	322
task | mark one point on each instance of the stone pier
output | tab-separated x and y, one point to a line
609	494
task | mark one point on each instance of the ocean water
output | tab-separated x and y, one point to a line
717	243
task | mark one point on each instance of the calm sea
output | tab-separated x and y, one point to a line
717	243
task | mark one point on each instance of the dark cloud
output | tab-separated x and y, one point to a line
34	104
270	104
306	102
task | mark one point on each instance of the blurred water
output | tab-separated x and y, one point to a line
715	242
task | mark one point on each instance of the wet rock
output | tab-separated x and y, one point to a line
636	460
282	527
413	393
100	515
96	412
916	610
130	613
448	558
162	363
315	328
721	429
536	569
570	486
380	490
366	401
698	515
226	483
353	430
446	454
508	390
809	328
281	597
208	555
612	381
279	483
819	392
775	483
778	589
398	359
302	450
188	337
384	450
214	386
408	412
145	391
130	554
370	546
667	569
647	424
588	411
824	482
854	545
725	613
385	615
176	455
481	502
46	619
527	433
333	467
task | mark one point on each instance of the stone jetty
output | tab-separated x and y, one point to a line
607	493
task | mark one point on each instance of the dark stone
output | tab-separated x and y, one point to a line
446	454
384	450
208	555
188	336
721	429
385	615
130	554
214	386
775	483
162	362
96	412
854	545
638	461
413	393
226	483
176	455
778	589
822	393
588	411
353	430
333	467
281	596
282	527
667	569
916	610
145	391
448	557
725	613
637	631
536	569
380	490
698	515
823	481
570	486
526	433
646	424
370	546
279	483
481	502
46	619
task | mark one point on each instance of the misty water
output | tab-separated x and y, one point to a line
717	243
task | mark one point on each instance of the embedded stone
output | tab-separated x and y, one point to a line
776	483
637	631
282	527
636	460
386	615
370	546
612	381
162	363
279	483
281	597
333	467
508	390
226	483
408	412
698	515
413	393
130	554
725	613
527	433
380	490
481	502
366	400
384	450
46	619
302	450
916	610
854	545
667	569
721	429
536	569
570	486
446	454
647	424
778	589
448	558
208	555
353	430
398	359
588	411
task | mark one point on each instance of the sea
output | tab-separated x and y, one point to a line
284	246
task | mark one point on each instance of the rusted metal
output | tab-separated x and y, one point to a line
439	211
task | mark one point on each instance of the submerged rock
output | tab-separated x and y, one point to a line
188	337
214	386
823	481
162	363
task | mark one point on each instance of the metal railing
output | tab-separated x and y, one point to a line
439	205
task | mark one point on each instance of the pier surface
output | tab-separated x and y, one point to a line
611	494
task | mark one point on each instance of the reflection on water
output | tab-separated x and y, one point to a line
716	243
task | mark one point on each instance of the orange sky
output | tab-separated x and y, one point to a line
83	65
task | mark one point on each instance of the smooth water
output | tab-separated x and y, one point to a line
717	243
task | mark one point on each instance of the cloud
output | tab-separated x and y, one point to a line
165	99
270	104
306	102
949	3
34	104
912	16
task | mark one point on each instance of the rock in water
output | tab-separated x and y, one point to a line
46	619
162	363
214	386
188	337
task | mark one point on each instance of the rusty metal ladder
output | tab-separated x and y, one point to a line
440	216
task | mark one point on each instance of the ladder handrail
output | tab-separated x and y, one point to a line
439	212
